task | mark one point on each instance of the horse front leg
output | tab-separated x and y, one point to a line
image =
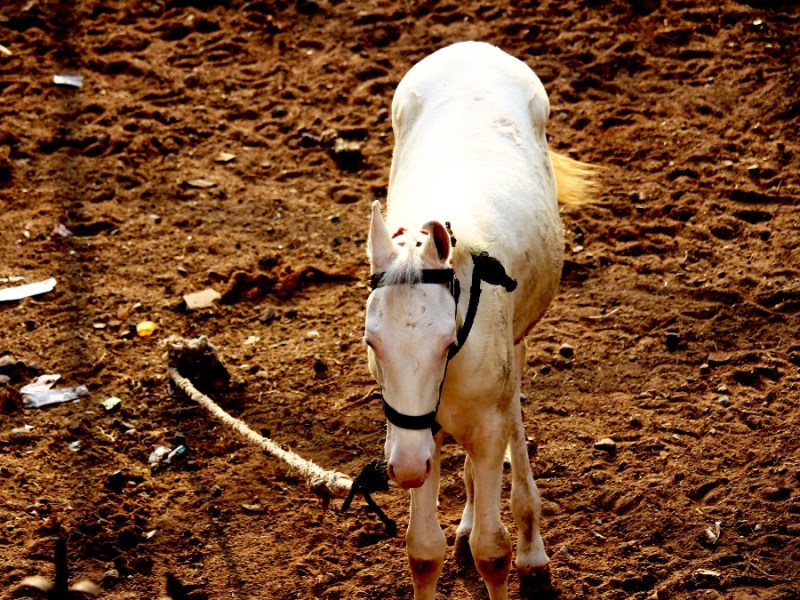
425	540
461	551
489	540
526	506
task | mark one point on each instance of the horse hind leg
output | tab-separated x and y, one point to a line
461	550
526	506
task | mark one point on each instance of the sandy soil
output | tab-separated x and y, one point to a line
205	149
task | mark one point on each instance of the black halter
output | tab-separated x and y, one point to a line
485	268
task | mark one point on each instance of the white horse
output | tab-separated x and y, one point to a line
466	262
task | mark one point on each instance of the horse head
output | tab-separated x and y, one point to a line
410	328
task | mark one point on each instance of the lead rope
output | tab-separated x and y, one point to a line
322	482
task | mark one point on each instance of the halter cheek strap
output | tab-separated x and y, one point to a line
486	268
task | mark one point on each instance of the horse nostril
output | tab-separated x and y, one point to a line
390	472
427	467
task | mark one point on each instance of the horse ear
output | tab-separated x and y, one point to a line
437	246
380	248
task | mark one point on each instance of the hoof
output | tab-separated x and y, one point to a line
461	550
535	582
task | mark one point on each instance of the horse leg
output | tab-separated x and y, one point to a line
461	551
526	506
489	540
425	540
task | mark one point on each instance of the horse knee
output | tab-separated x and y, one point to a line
494	570
493	560
425	571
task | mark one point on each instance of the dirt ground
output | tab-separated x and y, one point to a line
238	146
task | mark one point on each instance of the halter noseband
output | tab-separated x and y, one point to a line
485	268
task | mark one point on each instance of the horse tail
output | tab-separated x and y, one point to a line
576	182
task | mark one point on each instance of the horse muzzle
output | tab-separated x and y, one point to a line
409	457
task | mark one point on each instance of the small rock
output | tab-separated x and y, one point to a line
201	183
291	313
347	154
319	366
672	340
705	369
110	577
111	403
544	369
20	435
4	379
707	574
115	480
268	317
598	477
606	445
717	359
724	401
566	350
225	157
254	508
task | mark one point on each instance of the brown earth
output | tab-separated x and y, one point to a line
681	293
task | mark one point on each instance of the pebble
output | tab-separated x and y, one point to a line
606	445
4	379
566	350
347	154
672	340
268	317
724	401
717	359
598	478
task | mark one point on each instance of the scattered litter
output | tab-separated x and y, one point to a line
39	393
75	81
157	455
111	403
4	50
74	446
150	534
177	453
251	340
62	230
713	532
145	328
201	183
164	455
225	157
202	299
707	574
25	291
312	335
